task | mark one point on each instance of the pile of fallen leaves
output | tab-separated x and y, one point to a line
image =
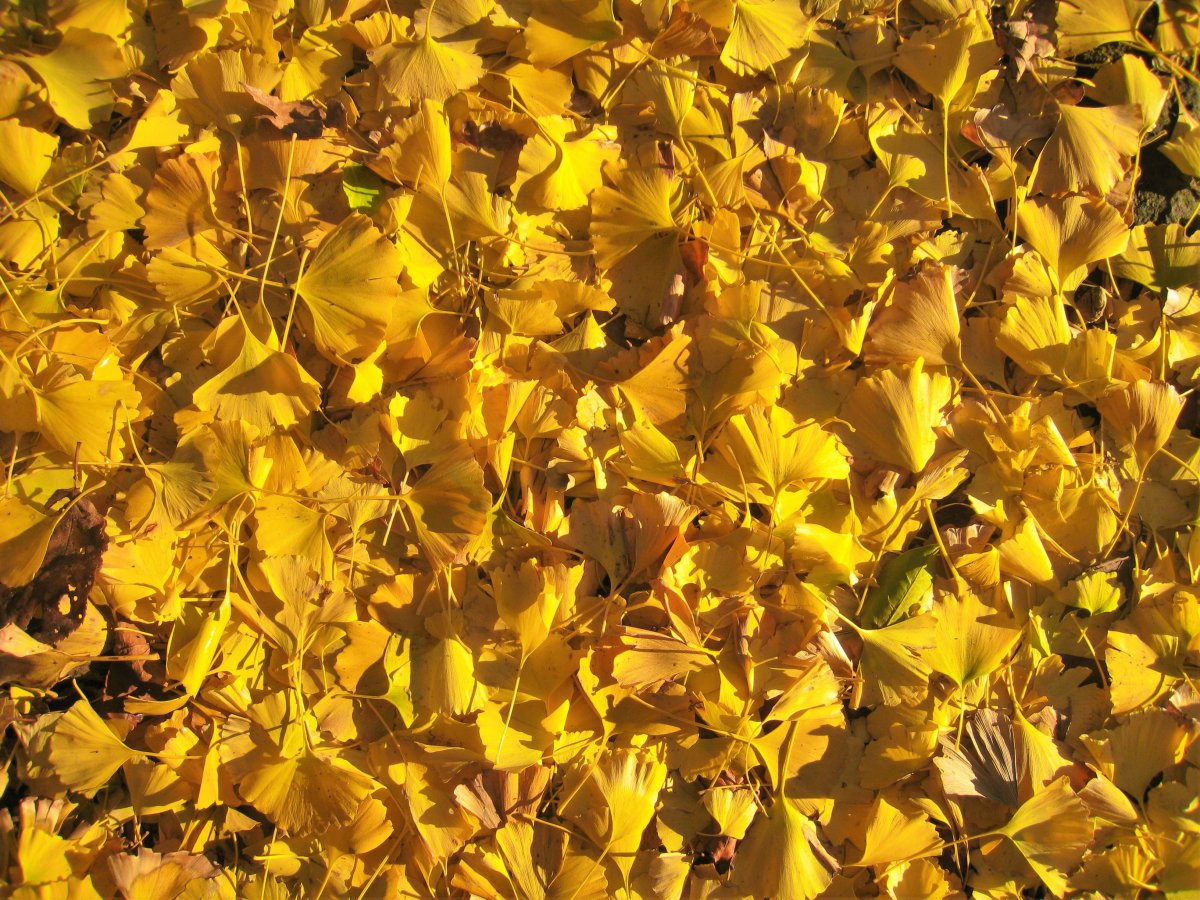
554	449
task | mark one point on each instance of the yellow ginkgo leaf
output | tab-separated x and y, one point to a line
1052	830
439	673
1128	81
84	751
209	88
891	667
617	798
778	859
1160	256
25	532
194	643
449	508
948	60
309	792
526	602
349	287
920	322
909	148
1141	416
646	658
763	454
1137	750
426	69
1035	333
1183	149
732	809
1023	554
894	415
78	75
158	125
25	155
179	204
642	206
1072	232
559	29
1085	24
319	62
89	417
421	153
764	33
513	732
893	836
971	639
152	876
1089	151
286	527
261	386
559	169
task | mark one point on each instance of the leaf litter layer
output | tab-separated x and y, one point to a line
729	448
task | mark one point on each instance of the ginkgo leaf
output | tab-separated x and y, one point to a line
1089	150
893	836
970	639
777	859
763	34
949	60
920	322
84	751
617	799
732	809
449	508
903	584
642	206
559	169
1161	256
766	454
179	205
194	643
1022	554
1071	233
911	153
261	386
305	792
558	30
1128	81
647	658
1084	24
983	762
1036	334
891	666
1052	830
1183	149
349	287
1141	416
289	528
440	677
894	415
25	155
149	874
427	69
88	417
526	603
209	88
25	531
78	75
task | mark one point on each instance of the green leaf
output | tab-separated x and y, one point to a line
902	584
363	189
